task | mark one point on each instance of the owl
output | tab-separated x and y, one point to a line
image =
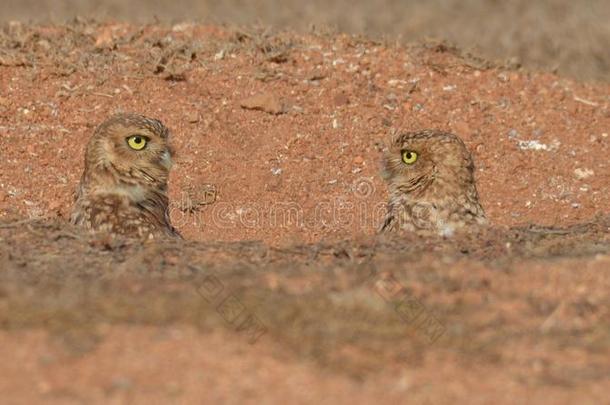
430	175
123	189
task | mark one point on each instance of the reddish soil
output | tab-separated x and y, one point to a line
569	37
277	139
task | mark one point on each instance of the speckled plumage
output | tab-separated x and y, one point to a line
124	191
436	194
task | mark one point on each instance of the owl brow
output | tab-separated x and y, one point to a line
155	128
422	135
150	124
405	139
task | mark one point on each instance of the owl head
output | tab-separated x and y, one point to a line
131	146
415	161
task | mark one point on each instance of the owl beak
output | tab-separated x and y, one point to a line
166	159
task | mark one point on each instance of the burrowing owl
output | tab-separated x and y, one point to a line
123	189
431	184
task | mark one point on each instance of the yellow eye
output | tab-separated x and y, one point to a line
409	157
137	142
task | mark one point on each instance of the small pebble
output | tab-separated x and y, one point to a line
192	117
582	174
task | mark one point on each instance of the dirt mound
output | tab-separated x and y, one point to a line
282	281
525	305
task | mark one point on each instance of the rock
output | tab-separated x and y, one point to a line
192	117
15	27
341	99
172	72
183	27
582	174
267	102
44	45
105	39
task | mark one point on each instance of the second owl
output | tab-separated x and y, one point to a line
430	175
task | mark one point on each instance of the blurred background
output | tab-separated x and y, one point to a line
567	36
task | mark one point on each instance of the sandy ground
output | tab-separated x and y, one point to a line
571	37
282	289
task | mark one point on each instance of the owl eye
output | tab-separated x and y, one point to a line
409	157
137	142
